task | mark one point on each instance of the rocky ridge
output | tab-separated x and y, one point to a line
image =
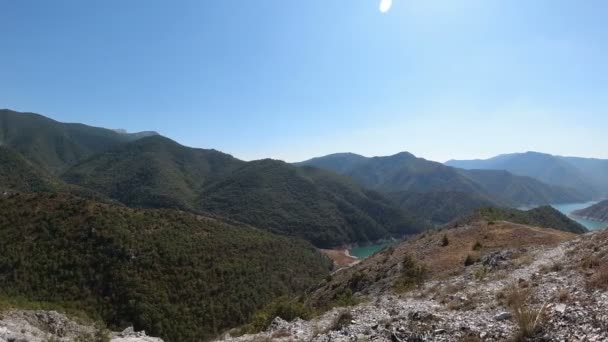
562	287
43	326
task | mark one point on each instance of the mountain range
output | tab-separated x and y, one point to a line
587	175
137	229
151	171
412	181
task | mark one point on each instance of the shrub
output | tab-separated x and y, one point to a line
412	274
529	318
470	260
342	320
477	246
600	279
285	308
345	298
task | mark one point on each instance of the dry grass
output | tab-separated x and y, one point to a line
470	338
554	267
281	333
562	295
342	320
590	261
599	280
442	261
481	273
528	316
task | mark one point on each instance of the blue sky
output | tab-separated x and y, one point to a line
297	79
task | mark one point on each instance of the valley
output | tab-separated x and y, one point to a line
109	233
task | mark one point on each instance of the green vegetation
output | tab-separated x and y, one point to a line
477	246
440	207
18	174
545	217
52	145
439	193
412	273
176	275
444	240
319	206
285	308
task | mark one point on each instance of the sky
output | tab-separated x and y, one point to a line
291	80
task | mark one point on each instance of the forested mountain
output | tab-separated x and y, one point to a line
153	172
399	172
412	181
588	176
53	145
18	174
596	212
320	206
520	191
440	207
176	275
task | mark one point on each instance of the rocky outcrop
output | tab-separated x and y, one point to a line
43	326
562	289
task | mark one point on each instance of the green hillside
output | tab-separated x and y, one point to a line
545	217
440	207
404	173
176	275
18	174
153	172
52	145
317	205
320	206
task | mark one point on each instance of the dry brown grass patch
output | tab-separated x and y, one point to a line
528	316
599	280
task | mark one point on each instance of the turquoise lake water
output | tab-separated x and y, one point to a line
567	209
364	252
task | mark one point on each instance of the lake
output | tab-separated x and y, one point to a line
568	208
364	252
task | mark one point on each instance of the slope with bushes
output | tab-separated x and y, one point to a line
176	275
546	217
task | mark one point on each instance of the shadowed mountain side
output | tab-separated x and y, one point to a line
320	206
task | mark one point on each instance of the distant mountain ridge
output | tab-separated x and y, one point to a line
411	181
588	176
54	145
319	206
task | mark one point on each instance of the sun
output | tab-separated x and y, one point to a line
385	5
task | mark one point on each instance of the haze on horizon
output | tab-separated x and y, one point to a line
441	79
